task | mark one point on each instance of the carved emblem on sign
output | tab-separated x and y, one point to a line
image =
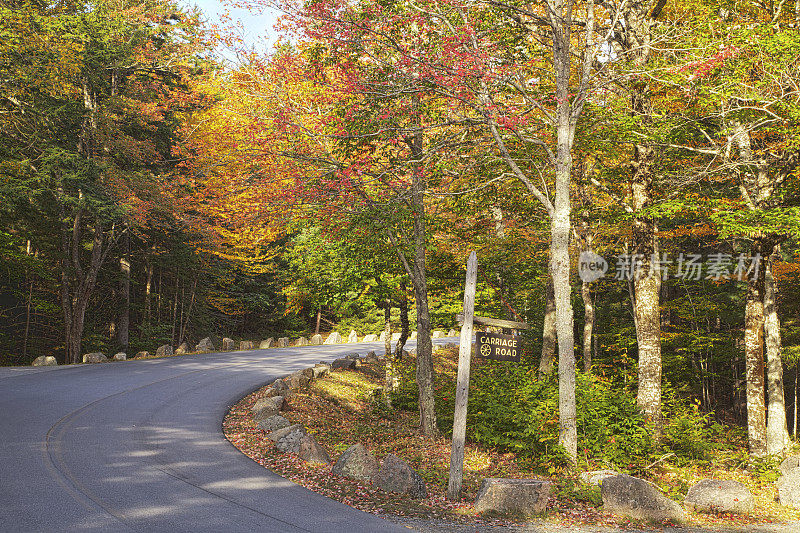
499	347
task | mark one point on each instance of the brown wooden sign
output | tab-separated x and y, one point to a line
498	347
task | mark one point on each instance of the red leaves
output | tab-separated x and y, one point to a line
702	68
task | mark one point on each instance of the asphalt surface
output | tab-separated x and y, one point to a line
138	446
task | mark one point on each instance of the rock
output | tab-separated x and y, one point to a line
283	342
452	333
371	358
413	336
382	338
520	496
353	337
720	496
164	350
94	357
120	356
636	498
279	386
789	488
246	345
228	344
204	346
320	370
267	411
395	337
355	357
299	380
266	344
302	341
290	442
140	355
356	463
278	434
273	423
394	475
182	349
311	451
274	403
437	334
343	364
316	340
333	338
370	338
45	360
596	477
788	464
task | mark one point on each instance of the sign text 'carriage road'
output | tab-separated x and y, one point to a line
498	347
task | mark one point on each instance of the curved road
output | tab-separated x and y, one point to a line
138	446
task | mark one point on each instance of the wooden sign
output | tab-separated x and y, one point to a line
499	347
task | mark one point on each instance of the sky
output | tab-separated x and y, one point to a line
257	28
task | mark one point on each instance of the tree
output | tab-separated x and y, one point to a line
741	129
92	120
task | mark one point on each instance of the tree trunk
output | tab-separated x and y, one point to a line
185	323
387	327
794	419
646	283
560	269
648	336
28	302
175	309
549	329
148	288
123	331
319	317
176	340
754	369
391	379
647	280
777	432
404	324
159	295
77	282
417	272
560	226
588	326
586	241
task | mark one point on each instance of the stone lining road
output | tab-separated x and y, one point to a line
138	446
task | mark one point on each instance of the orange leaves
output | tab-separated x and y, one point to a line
694	230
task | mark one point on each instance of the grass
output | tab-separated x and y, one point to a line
343	409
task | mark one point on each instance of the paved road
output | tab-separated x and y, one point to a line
138	446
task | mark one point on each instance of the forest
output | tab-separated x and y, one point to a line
626	172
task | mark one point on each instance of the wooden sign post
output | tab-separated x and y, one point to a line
462	383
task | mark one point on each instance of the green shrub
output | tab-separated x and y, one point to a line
688	432
511	410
